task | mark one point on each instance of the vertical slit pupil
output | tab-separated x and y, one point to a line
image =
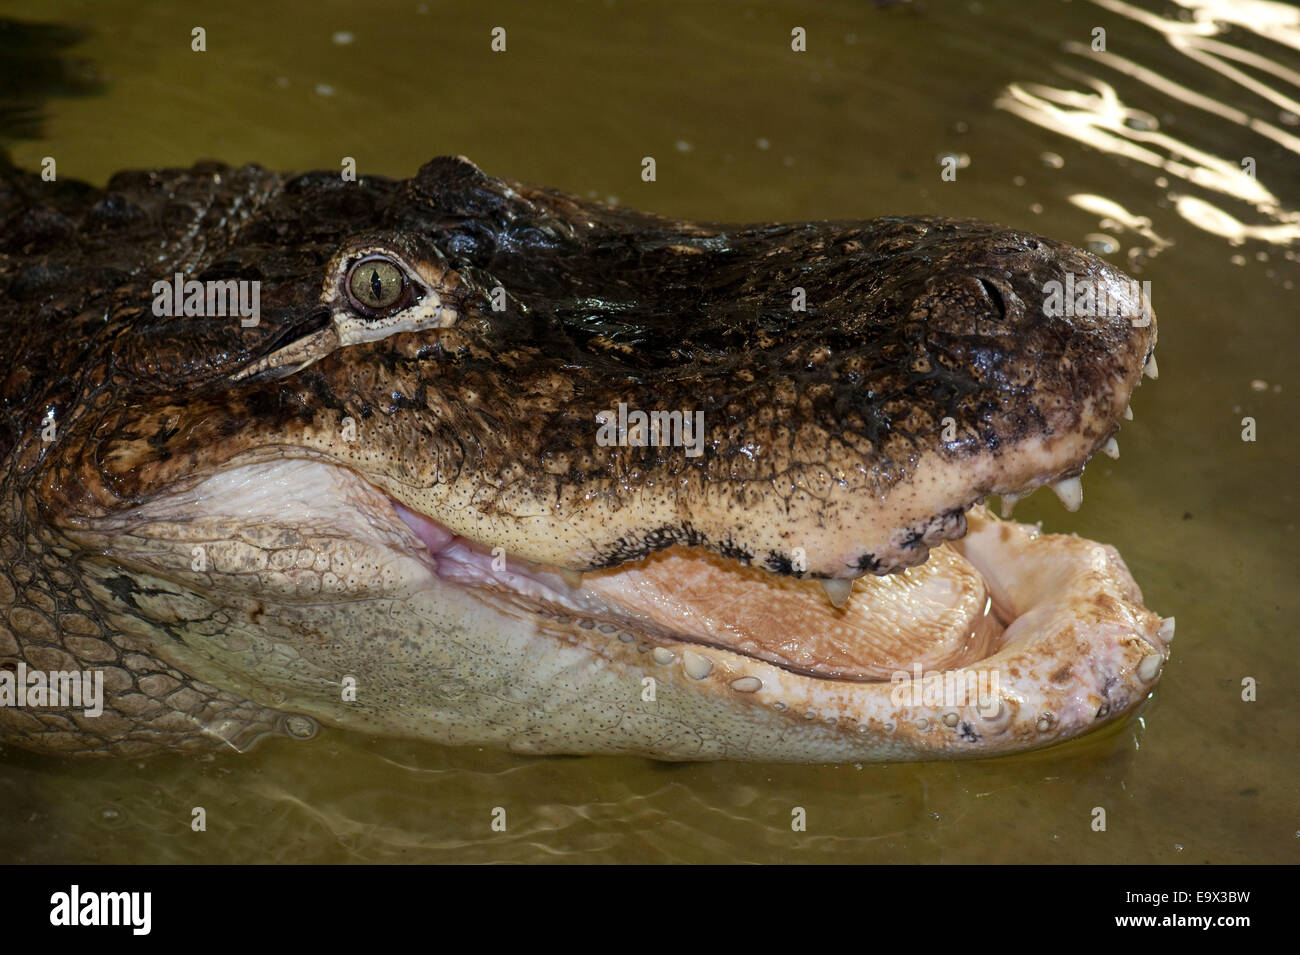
376	286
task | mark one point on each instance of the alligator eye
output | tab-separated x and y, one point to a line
375	285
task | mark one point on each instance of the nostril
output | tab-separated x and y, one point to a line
995	297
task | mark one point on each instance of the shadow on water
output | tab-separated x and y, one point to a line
35	66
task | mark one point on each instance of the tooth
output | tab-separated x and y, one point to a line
1166	631
1150	369
1149	667
838	591
696	665
1009	502
1070	491
1128	413
571	577
1111	448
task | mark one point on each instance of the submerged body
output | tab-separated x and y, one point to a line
410	495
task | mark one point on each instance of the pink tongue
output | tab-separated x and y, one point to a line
462	561
935	615
434	536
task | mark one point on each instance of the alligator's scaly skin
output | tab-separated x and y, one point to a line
72	257
823	427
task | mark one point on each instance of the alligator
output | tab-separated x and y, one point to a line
482	463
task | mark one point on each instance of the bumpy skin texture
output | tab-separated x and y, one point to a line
824	428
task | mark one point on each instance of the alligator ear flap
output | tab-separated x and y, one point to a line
293	352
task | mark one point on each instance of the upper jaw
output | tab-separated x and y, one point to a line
838	443
846	439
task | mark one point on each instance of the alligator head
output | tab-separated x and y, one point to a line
487	464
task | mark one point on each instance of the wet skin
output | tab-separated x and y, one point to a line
372	507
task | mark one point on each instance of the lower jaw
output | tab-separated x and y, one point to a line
1078	651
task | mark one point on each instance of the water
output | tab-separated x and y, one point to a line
1137	152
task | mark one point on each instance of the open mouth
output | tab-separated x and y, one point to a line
1006	639
938	614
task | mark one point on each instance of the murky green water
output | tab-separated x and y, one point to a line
1140	147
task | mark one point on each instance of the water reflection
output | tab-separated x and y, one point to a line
1099	117
34	66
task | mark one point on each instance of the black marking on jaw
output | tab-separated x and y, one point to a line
625	550
125	588
780	564
736	553
912	537
947	525
913	543
869	563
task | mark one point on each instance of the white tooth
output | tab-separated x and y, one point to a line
1009	502
1070	491
1111	448
571	577
837	590
1150	369
696	665
1128	413
1166	631
1149	667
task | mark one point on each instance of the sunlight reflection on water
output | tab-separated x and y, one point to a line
1101	119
